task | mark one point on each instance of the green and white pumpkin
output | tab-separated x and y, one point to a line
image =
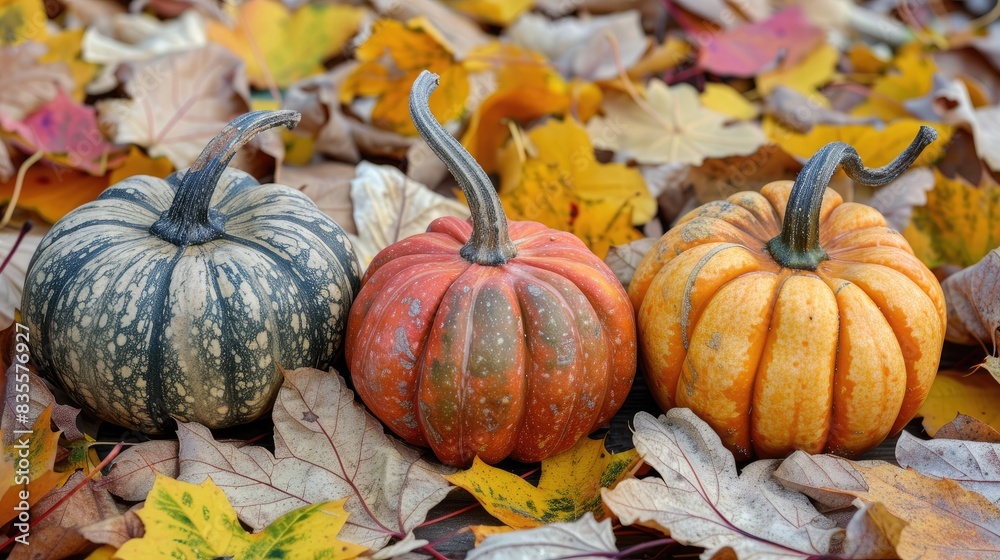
184	297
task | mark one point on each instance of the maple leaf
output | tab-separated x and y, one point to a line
38	478
27	82
749	49
584	538
564	187
570	485
928	519
388	206
183	519
391	59
325	447
954	392
282	45
495	12
702	502
974	465
179	102
136	468
674	127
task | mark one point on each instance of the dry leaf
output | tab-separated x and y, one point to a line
135	469
66	47
877	147
460	32
138	163
179	102
563	186
12	280
388	207
52	191
569	488
584	538
718	178
580	47
972	296
674	128
897	200
911	75
950	102
323	120
22	20
27	84
812	71
495	12
725	99
800	112
328	184
40	400
185	520
326	447
701	502
115	531
974	465
967	428
750	49
41	446
953	392
623	259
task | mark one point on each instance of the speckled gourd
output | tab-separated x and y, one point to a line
789	319
487	338
182	296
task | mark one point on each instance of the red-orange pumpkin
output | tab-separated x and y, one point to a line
488	338
789	319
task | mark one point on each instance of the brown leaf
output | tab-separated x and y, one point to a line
967	428
27	84
555	540
871	532
975	465
328	184
63	415
12	281
461	32
897	200
115	530
623	259
58	535
322	116
702	502
179	102
718	178
972	296
325	447
799	112
135	469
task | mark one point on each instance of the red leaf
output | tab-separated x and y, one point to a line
786	37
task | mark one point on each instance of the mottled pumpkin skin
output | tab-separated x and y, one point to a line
520	360
776	359
138	329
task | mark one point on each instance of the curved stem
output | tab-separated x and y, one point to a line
490	243
190	219
797	246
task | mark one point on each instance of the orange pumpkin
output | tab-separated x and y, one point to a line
486	337
788	319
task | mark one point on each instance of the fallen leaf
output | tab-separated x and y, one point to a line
674	127
800	112
388	207
53	191
6	165
872	532
960	224
700	500
138	163
40	400
328	184
877	147
22	20
323	119
967	428
910	75
460	32
136	468
12	280
326	447
564	187
66	47
937	519
814	70
281	46
33	474
178	102
897	199
718	178
27	83
106	552
728	14
953	392
584	538
750	49
58	534
972	296
725	99
569	488
391	59
581	47
115	531
974	465
494	12
623	259
183	519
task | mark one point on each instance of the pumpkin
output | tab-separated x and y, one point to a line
486	337
791	320
181	297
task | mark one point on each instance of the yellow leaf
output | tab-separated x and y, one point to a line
724	99
483	531
876	147
28	464
865	64
138	163
816	69
391	59
285	46
911	76
564	187
496	12
105	552
569	487
22	20
973	394
184	520
52	191
65	47
666	56
960	223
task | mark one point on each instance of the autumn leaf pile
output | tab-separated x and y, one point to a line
609	120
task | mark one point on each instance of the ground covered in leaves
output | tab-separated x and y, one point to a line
607	119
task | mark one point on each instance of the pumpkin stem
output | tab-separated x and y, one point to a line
490	243
190	220
797	246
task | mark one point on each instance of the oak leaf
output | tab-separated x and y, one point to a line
27	82
325	447
185	520
953	392
281	46
178	102
672	127
701	501
974	465
569	488
563	186
391	59
750	49
136	468
583	538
